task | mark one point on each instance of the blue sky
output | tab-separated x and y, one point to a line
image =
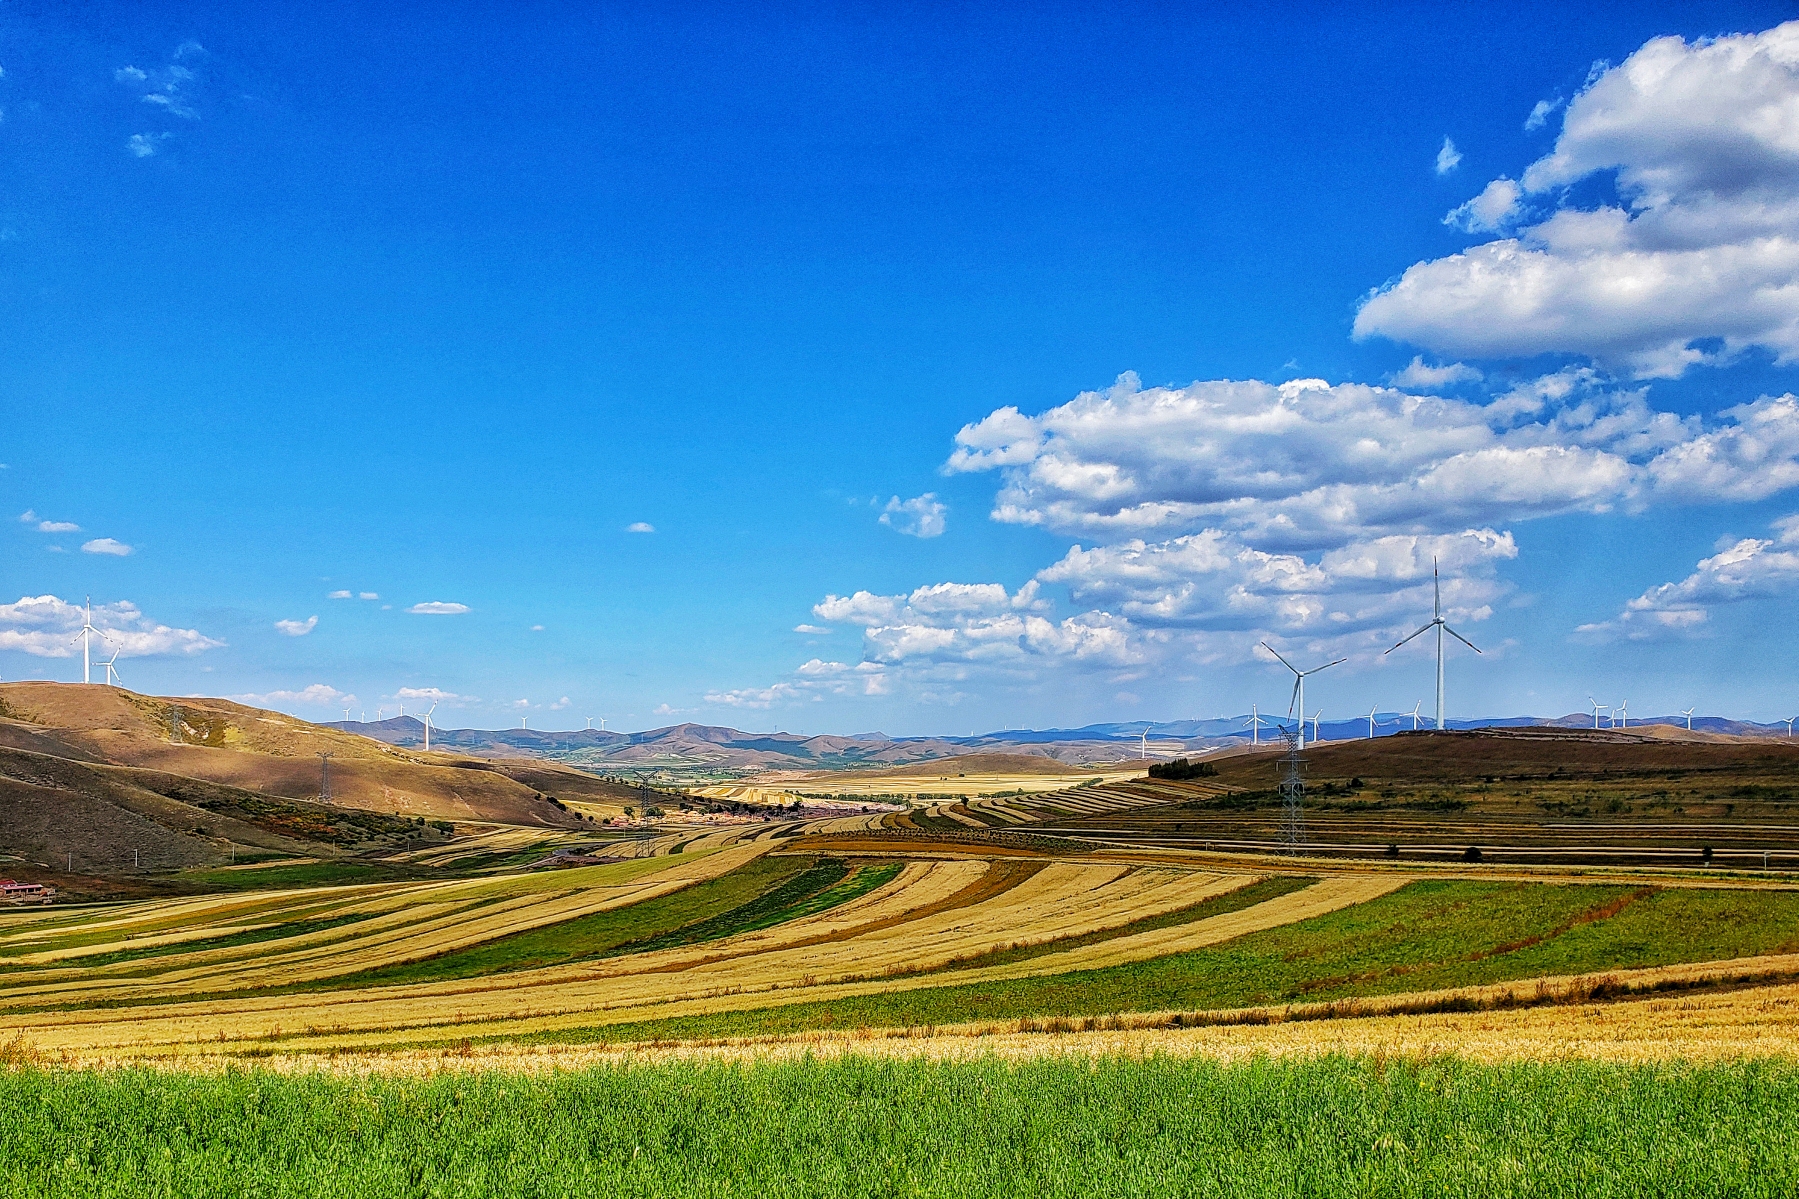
437	307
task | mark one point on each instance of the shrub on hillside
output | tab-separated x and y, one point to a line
1181	768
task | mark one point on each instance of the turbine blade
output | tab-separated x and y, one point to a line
1462	639
1408	637
1276	653
1327	666
1294	698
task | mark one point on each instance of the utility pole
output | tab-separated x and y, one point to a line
1293	793
325	777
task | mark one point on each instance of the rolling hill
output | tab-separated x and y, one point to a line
100	779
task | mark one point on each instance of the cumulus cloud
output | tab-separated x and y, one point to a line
1492	210
339	595
813	630
105	545
45	627
1752	568
1419	375
144	145
438	608
1310	466
1696	261
318	695
922	516
58	526
560	704
1448	157
434	695
296	628
369	595
641	526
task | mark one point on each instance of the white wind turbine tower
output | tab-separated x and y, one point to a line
1143	749
1315	717
1299	690
1623	711
1415	708
1597	709
112	676
1255	725
1689	715
86	637
428	726
1371	723
1438	623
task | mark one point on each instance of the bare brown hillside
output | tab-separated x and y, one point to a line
264	754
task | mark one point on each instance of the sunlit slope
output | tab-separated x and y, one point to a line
268	753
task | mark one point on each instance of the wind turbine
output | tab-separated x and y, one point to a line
1143	749
1623	710
1299	690
1255	725
86	637
1597	709
1789	722
428	726
1437	622
1371	724
1415	708
112	676
1315	717
1689	715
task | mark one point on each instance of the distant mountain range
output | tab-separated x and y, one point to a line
699	749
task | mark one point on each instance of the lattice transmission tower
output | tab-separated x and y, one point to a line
1293	794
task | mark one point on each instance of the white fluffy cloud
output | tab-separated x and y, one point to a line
435	695
318	695
1212	581
1418	375
1701	247
296	628
339	595
1309	466
45	626
641	526
1448	157
105	545
438	608
923	516
1752	568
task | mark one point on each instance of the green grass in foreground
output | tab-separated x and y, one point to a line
1315	1128
1424	936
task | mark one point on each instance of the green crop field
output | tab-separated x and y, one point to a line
1426	935
1316	1127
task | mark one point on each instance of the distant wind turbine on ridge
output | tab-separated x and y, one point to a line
1442	626
1415	708
1597	709
1255	724
1298	702
112	675
86	637
1371	723
428	728
1689	715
